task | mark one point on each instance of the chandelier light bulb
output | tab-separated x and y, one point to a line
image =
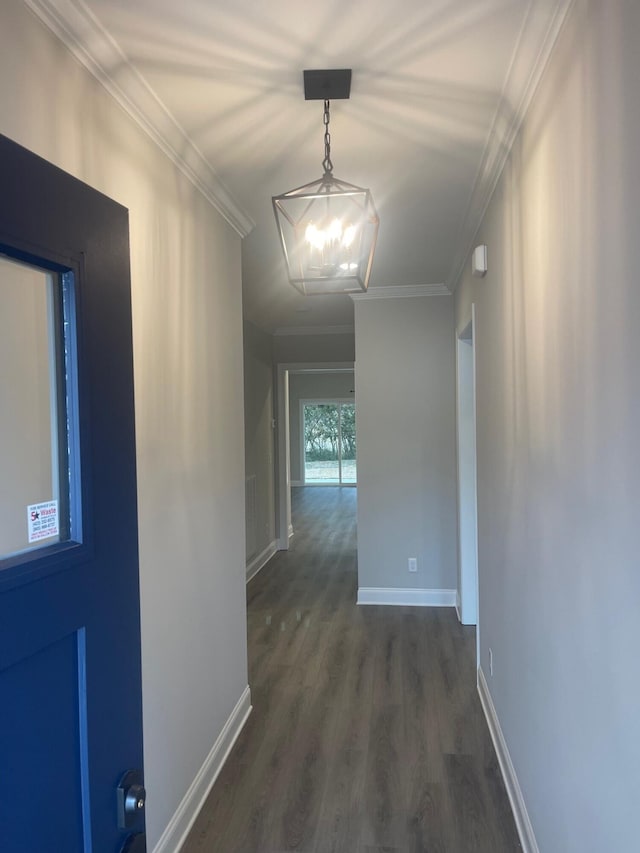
335	230
349	235
315	237
334	233
329	247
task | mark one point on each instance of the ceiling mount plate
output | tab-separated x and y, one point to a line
331	85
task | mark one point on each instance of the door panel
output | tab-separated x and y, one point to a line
44	723
70	698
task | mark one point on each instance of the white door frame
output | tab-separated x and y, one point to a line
467	597
284	528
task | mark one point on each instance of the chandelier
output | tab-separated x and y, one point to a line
328	227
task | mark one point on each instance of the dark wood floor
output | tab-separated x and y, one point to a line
366	732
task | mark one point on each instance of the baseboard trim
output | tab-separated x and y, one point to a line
407	597
261	560
178	828
518	807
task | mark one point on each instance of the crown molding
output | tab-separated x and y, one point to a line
538	35
83	34
285	331
402	291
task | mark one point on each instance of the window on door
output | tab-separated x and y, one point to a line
329	446
37	381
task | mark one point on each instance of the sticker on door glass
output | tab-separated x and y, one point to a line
42	520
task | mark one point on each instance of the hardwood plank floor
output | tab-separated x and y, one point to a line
367	733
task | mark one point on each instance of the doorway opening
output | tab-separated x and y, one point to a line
328	429
318	382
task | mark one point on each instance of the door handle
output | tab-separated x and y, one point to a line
131	797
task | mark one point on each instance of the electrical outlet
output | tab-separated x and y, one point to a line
413	564
490	662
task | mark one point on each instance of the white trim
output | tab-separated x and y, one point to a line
466	467
458	606
283	462
302	468
407	597
290	531
474	336
402	291
284	331
261	560
319	367
520	814
311	371
178	827
533	48
83	34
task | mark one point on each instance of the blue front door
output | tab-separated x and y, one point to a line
70	695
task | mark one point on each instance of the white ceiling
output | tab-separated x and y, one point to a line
438	91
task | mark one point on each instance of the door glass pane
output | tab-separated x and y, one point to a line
321	443
34	458
348	436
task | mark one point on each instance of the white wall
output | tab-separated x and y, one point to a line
292	349
558	407
188	369
259	438
405	430
312	386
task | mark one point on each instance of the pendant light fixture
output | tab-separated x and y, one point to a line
328	227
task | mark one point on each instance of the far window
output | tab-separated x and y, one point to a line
329	443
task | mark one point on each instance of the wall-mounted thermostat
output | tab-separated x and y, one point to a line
479	261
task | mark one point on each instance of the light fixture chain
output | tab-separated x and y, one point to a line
327	164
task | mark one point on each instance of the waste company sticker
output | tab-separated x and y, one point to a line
42	520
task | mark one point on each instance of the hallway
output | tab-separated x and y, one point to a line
366	732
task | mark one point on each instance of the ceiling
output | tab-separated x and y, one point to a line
438	91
